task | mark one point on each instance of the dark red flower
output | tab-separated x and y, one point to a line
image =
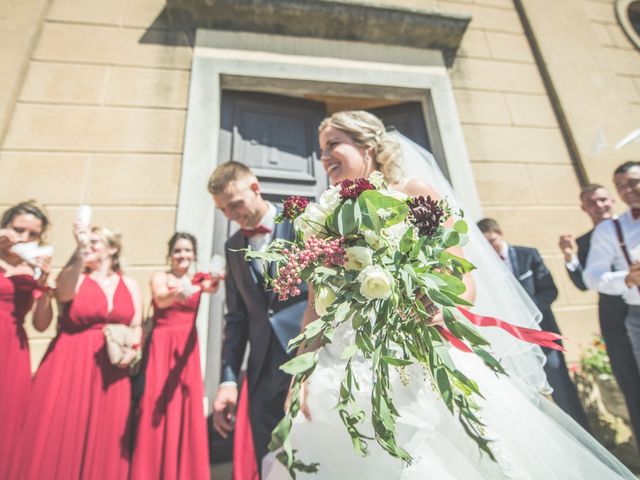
353	188
294	206
426	214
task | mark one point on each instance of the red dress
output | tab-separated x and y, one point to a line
77	422
16	298
171	435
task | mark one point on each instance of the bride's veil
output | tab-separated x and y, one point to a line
498	292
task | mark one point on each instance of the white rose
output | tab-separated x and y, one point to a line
376	179
372	239
394	233
358	258
330	199
311	221
375	282
324	297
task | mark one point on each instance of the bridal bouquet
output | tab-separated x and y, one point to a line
379	260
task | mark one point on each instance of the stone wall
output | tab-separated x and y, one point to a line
99	119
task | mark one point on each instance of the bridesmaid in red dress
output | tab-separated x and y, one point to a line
21	282
77	423
171	435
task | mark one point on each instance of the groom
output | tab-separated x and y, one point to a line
254	313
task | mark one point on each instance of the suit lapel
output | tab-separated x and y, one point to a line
249	277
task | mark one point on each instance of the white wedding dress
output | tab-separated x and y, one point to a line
531	437
531	440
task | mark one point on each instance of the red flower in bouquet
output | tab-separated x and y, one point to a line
353	188
426	214
321	251
294	206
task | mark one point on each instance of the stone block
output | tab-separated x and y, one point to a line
623	62
515	144
486	17
496	76
64	83
87	11
97	44
507	46
134	180
474	45
503	183
60	235
537	227
531	110
144	13
487	108
578	325
49	178
619	38
555	185
146	87
600	12
95	129
145	232
506	4
602	34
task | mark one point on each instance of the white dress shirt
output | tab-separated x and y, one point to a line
261	241
504	255
605	254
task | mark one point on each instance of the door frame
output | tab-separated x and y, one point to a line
296	67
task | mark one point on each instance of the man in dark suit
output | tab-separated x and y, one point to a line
597	202
534	277
254	313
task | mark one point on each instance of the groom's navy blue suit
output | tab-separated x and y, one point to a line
255	315
534	276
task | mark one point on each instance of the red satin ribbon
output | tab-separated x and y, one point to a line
453	340
539	337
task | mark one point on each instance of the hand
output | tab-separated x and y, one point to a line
8	238
211	285
44	264
633	278
304	393
437	318
224	406
81	232
567	246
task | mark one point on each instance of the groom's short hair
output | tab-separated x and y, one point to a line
487	225
226	173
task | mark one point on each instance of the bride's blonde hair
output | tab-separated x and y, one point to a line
367	130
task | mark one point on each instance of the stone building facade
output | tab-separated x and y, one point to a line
121	105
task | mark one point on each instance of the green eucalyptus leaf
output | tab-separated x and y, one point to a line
301	364
461	226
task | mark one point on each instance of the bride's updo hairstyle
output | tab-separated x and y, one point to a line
366	130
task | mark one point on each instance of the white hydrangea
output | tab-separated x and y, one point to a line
376	179
330	199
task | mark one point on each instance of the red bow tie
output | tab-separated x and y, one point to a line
635	213
251	232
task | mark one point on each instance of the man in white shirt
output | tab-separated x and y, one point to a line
613	264
597	202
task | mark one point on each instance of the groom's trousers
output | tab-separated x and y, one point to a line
266	401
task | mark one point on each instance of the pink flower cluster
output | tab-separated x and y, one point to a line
353	188
294	206
316	251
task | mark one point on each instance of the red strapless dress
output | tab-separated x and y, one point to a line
171	435
77	422
16	298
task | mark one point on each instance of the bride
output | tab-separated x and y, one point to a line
530	437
